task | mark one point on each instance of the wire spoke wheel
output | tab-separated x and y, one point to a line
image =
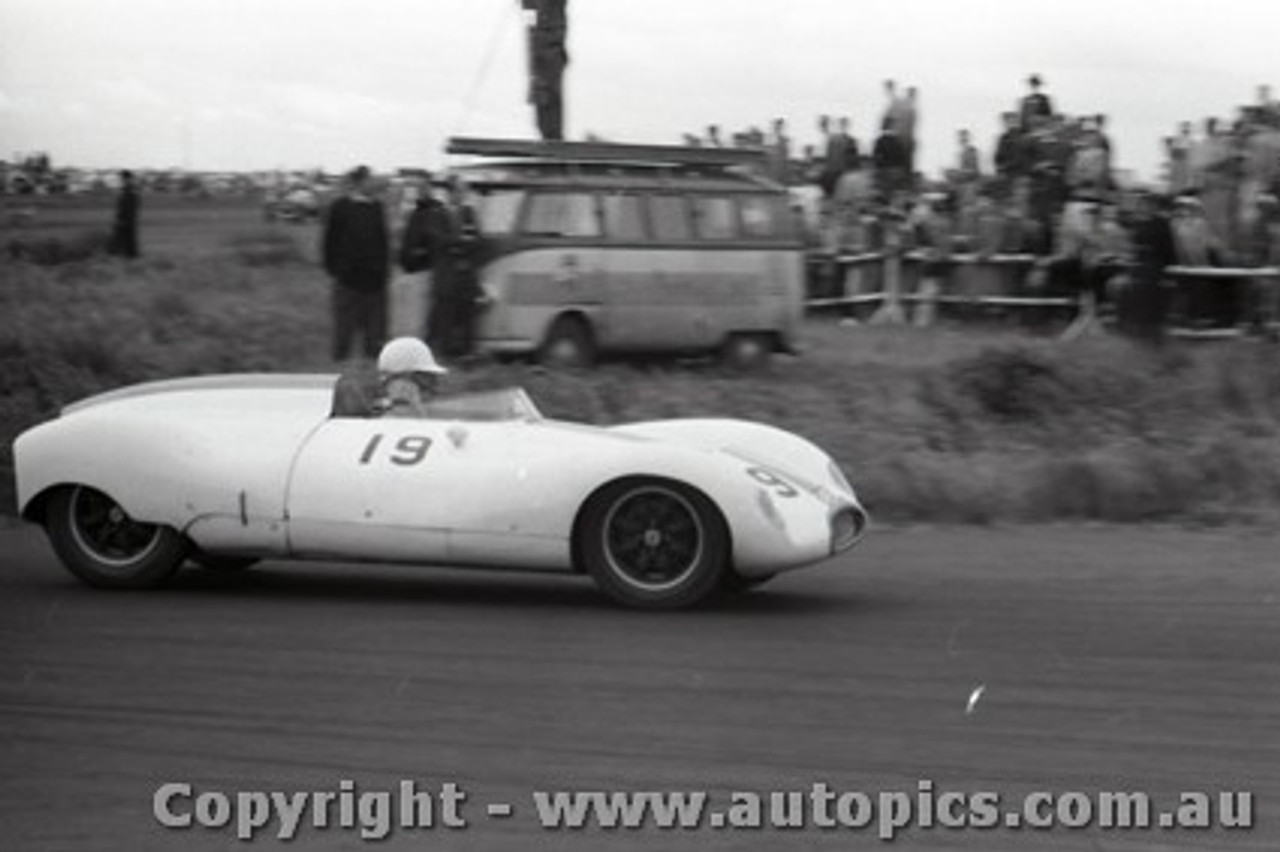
654	543
667	546
100	543
103	529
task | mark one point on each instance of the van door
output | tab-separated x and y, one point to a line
660	317
564	228
633	314
777	257
721	274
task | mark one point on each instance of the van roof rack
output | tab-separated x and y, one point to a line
606	152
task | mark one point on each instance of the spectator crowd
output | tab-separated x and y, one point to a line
1051	191
1046	189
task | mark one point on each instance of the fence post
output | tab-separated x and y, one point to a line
890	311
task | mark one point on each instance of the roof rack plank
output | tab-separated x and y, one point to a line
604	152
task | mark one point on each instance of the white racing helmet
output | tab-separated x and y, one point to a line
407	355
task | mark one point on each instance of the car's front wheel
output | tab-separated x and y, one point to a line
654	543
99	543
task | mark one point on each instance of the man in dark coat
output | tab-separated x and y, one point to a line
1010	153
548	58
1035	103
424	247
1142	311
356	253
425	232
465	271
451	229
890	159
124	231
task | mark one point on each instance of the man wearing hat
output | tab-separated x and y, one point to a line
410	375
1034	103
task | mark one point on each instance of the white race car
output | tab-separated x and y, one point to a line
227	470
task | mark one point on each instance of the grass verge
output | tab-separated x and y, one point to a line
947	425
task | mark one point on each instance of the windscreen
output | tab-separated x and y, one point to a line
505	404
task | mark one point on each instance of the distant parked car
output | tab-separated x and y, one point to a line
299	204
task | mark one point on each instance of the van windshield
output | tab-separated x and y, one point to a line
498	209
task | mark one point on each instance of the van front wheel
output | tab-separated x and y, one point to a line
568	344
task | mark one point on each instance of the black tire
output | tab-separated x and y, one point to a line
220	563
747	351
569	343
106	548
654	543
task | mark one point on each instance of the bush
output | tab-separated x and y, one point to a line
266	247
57	250
1010	384
951	426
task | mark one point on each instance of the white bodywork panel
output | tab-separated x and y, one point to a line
213	463
424	491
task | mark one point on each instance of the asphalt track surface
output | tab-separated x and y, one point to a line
1110	659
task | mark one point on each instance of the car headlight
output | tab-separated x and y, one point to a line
846	528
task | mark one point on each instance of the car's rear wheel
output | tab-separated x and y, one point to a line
568	344
99	543
654	543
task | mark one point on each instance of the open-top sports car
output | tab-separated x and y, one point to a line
230	469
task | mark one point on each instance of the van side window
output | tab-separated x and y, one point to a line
624	218
562	214
716	218
498	210
764	217
670	217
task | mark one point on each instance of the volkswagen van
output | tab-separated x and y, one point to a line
590	248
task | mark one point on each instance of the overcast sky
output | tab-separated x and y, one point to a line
253	84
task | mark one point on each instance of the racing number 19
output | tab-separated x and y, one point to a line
409	450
